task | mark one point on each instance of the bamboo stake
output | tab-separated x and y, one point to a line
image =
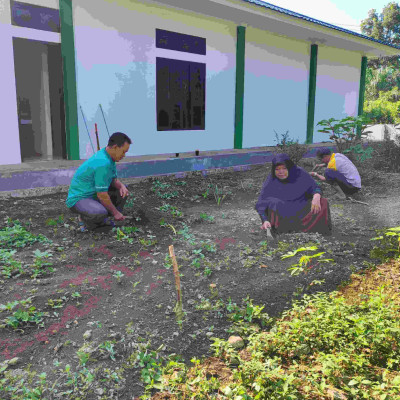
84	120
178	307
97	137
104	118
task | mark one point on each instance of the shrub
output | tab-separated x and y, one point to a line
291	147
345	132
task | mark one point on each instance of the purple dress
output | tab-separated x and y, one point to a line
286	204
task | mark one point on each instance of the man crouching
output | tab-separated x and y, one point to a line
339	171
95	191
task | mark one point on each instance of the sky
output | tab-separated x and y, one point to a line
347	14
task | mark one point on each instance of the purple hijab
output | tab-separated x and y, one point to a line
289	196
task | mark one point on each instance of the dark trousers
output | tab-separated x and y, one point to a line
337	177
93	213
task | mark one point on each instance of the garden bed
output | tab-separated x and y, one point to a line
96	311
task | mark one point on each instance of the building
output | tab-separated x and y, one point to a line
175	75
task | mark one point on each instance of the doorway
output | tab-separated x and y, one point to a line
40	99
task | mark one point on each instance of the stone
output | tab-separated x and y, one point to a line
87	335
236	342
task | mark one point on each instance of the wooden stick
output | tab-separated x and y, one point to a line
97	137
176	273
357	201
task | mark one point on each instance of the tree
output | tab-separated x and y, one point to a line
385	27
382	96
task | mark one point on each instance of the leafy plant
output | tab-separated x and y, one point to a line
389	244
118	275
305	259
151	363
23	316
172	209
360	152
40	263
108	348
8	265
345	132
206	217
15	235
290	146
130	202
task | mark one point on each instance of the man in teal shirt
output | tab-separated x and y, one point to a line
95	191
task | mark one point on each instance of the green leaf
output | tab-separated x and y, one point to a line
353	382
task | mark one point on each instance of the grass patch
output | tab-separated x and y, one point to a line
340	345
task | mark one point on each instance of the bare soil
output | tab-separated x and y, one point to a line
135	306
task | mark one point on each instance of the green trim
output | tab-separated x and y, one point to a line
239	94
69	78
362	85
311	93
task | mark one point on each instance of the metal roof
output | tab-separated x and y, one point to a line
315	21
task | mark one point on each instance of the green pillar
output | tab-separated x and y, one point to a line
311	93
239	94
362	85
69	79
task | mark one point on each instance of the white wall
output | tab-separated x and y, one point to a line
338	82
11	154
276	87
116	66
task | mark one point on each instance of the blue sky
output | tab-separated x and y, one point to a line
345	13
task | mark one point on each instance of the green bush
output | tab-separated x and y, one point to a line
383	110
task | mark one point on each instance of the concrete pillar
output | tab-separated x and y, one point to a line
45	113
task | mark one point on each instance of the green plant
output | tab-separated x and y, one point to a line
40	263
305	259
172	209
248	312
15	235
185	235
290	146
206	217
151	363
118	275
56	303
24	316
345	132
389	244
130	202
108	348
8	265
219	195
360	152
53	222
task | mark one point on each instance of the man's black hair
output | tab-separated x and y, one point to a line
119	139
323	151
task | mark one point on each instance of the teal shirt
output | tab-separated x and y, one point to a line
93	176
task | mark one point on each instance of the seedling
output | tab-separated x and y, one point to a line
219	195
118	275
206	217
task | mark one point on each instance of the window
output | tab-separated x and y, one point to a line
180	95
180	42
180	87
36	17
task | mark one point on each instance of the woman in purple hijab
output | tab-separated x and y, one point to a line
290	200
